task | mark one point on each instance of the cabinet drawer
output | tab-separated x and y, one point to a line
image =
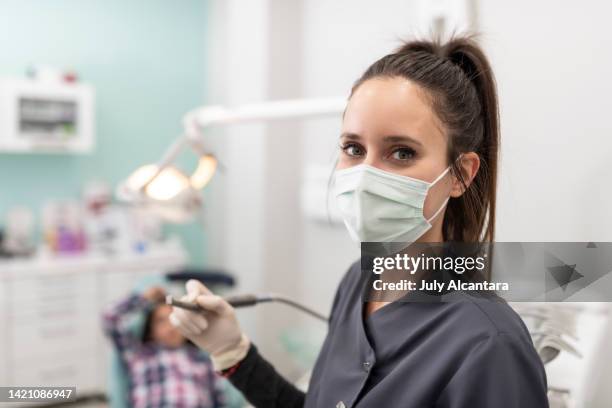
51	301
60	372
52	287
75	309
35	341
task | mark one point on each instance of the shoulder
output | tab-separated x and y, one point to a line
492	325
500	355
489	337
489	316
466	317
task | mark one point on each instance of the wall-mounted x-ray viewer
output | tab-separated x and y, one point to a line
46	116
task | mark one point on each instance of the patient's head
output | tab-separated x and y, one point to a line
157	327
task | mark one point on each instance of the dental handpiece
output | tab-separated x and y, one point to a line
245	301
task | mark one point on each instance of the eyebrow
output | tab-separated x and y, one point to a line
388	139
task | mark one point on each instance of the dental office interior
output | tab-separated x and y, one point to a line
98	97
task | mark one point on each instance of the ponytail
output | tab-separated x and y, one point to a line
468	56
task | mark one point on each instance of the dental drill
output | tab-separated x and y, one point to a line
247	300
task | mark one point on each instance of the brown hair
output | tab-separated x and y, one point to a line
458	79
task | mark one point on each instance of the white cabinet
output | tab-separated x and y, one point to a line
76	368
50	315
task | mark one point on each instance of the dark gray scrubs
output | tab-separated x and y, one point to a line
469	352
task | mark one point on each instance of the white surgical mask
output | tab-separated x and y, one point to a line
378	206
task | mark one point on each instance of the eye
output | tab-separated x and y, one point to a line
353	149
403	154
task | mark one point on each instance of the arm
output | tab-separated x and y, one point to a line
262	385
115	322
217	331
501	371
226	395
116	319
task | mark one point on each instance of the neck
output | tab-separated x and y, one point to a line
433	235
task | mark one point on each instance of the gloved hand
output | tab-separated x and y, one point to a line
217	330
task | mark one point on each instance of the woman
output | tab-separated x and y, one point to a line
419	133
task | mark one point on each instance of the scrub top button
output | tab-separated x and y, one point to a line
340	405
366	366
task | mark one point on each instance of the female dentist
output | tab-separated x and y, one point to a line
422	119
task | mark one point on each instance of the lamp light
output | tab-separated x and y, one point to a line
164	187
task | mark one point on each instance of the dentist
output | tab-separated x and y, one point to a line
418	163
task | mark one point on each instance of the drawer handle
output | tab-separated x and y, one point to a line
56	313
56	332
57	373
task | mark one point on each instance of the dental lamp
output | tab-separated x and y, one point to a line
173	194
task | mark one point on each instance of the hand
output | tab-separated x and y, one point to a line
154	294
216	330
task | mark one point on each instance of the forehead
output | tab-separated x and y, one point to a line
390	106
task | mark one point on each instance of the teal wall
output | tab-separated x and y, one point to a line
145	59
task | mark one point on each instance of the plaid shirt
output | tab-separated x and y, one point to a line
160	376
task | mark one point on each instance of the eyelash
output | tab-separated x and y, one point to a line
409	150
347	146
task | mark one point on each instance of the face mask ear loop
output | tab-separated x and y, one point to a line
444	173
448	198
439	210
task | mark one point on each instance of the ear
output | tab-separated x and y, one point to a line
469	163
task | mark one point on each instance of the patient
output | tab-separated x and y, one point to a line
165	369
